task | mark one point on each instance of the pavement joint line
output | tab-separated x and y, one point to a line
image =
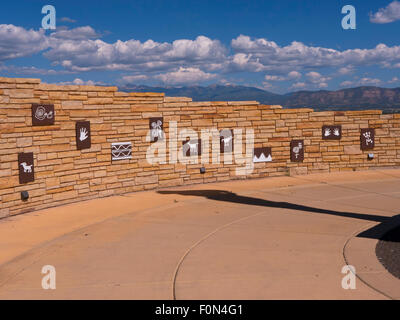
366	227
184	201
142	212
250	192
196	244
45	244
22	269
206	237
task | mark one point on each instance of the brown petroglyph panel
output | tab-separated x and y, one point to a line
26	167
333	132
125	117
297	150
367	138
83	135
43	114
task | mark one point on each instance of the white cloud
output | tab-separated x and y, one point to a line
244	62
347	83
361	82
134	55
250	55
190	61
316	77
346	70
274	78
16	42
66	19
294	75
266	86
225	82
313	80
298	85
185	76
264	55
28	70
394	80
369	82
81	82
134	78
318	80
80	33
388	14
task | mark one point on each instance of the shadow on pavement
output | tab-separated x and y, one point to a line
221	195
388	251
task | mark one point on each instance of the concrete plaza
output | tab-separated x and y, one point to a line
275	238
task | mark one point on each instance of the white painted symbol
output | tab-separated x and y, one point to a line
193	147
83	134
41	113
49	280
297	149
262	158
227	141
26	167
349	280
121	150
367	136
327	132
157	131
336	132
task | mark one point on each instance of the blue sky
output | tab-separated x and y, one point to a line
277	45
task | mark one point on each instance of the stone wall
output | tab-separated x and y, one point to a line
64	174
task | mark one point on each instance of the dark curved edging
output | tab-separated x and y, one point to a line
388	251
360	251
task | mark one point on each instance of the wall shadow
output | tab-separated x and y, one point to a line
221	195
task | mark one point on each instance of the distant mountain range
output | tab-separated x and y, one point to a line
359	98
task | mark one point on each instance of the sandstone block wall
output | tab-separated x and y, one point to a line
64	174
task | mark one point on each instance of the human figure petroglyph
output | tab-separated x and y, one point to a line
368	139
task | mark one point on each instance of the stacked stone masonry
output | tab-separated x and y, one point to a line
64	174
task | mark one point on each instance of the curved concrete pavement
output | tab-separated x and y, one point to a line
275	238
